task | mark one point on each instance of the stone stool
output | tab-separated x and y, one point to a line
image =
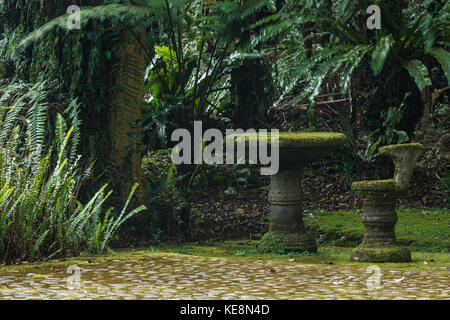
379	198
296	150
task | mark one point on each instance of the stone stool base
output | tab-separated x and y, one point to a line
280	242
387	254
379	243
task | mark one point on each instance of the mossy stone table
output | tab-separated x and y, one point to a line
296	150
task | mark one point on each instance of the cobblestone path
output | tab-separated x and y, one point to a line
162	276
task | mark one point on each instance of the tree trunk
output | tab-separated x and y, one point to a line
125	112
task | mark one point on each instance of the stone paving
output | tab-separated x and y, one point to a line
187	277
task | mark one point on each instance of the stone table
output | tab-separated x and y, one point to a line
296	150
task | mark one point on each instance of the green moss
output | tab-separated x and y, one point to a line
380	255
294	140
87	260
400	147
377	192
160	160
275	242
2	71
326	255
416	229
374	185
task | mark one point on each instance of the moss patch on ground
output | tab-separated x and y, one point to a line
417	229
84	260
339	256
232	250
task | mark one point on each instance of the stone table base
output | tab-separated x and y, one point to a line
386	254
287	231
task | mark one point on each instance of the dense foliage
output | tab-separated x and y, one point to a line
158	65
40	216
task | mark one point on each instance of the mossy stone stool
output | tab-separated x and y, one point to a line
379	198
296	150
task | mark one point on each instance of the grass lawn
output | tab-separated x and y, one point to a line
417	229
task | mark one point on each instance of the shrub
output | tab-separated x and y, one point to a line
40	216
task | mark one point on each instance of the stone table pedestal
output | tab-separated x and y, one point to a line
287	230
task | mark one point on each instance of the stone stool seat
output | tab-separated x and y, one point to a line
379	198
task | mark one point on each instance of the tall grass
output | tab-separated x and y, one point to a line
40	216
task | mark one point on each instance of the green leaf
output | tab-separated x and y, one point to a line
419	72
443	57
371	150
380	53
155	84
166	53
272	6
353	61
60	129
427	32
402	136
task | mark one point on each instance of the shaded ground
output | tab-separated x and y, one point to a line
228	271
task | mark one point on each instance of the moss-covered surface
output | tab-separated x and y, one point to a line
237	269
232	251
375	185
382	254
277	242
227	270
417	229
400	147
294	140
338	256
